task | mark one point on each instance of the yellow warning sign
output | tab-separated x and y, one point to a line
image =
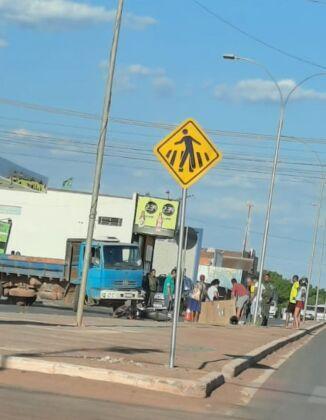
187	153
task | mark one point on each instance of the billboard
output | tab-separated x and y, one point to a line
5	227
156	216
15	176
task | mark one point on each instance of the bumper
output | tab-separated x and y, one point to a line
121	295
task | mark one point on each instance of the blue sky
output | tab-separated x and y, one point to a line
169	68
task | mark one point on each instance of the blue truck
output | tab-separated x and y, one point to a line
115	275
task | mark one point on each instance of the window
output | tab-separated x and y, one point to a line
110	221
121	256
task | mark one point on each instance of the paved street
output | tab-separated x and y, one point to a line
53	308
18	404
297	390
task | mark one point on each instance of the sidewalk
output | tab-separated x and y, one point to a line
131	346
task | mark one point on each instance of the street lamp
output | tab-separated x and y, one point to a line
283	103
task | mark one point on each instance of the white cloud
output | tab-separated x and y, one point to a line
63	13
128	78
3	43
259	90
228	207
139	22
163	85
215	181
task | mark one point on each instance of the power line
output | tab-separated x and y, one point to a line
256	39
156	125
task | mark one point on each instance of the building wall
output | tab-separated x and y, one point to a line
42	222
166	254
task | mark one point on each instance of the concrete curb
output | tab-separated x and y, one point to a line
201	388
238	365
194	388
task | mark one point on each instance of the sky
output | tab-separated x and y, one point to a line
53	67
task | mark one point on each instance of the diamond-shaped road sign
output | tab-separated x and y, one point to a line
187	153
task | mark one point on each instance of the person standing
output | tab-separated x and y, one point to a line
212	292
152	285
168	290
241	296
300	301
292	300
267	296
187	288
251	286
197	297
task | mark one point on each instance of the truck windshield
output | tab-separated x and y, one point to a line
123	256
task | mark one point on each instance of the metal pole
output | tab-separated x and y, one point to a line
183	266
320	270
246	237
178	280
269	206
314	242
99	162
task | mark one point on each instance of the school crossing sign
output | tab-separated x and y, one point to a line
187	153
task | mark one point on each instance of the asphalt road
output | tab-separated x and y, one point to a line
53	309
296	391
25	405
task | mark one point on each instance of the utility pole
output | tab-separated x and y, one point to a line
99	161
320	270
247	231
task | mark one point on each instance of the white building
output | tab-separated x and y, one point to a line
42	222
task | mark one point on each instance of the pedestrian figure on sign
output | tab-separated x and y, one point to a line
189	152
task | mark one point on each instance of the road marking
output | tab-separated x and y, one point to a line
318	396
249	392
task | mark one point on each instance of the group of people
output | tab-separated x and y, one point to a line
245	296
246	299
296	301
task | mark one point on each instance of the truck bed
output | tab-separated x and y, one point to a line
51	268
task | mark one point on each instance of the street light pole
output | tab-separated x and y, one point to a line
273	176
99	162
283	104
320	270
246	237
313	250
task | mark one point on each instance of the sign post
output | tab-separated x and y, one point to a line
187	154
178	280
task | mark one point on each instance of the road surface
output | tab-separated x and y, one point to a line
296	391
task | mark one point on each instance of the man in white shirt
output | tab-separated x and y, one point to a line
212	291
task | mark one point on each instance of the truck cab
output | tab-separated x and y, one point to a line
115	273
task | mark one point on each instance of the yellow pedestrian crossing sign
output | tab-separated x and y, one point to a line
187	153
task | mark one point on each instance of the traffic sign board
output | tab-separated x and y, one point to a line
187	153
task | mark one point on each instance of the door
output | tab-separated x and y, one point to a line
95	274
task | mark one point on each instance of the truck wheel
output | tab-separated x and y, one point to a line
76	297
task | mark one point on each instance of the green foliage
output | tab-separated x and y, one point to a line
283	288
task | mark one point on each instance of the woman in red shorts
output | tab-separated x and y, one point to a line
299	302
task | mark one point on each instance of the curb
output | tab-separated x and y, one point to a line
238	365
191	388
200	388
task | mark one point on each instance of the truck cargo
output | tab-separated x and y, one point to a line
115	275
